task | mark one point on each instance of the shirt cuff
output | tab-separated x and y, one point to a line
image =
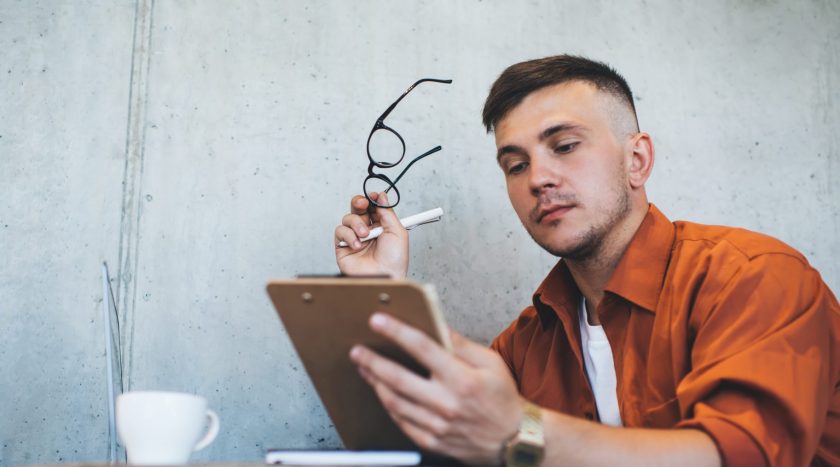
737	448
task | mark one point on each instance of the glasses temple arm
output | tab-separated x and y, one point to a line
391	107
427	153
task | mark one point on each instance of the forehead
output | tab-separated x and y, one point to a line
576	102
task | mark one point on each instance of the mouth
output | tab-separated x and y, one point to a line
552	213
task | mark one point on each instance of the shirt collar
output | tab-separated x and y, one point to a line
557	293
638	277
640	272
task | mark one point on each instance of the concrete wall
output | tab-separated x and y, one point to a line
202	148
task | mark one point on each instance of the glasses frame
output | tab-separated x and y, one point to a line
381	126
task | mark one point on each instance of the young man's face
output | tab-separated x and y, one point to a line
565	167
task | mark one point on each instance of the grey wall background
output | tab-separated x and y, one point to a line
202	148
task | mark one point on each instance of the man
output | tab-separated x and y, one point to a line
708	345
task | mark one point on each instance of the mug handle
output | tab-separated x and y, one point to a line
212	431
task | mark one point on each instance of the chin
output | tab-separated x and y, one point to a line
574	246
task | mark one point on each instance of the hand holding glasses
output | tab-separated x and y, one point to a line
386	149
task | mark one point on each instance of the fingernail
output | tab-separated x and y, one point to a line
357	244
378	320
354	352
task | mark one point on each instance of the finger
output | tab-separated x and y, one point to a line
416	343
347	235
367	376
403	409
377	369
386	216
422	438
363	208
356	222
475	354
359	205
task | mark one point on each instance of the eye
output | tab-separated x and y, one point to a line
565	148
517	168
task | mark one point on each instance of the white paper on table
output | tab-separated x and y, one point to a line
289	457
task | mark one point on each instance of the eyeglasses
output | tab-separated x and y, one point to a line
386	149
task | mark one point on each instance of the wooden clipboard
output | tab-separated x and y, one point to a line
325	317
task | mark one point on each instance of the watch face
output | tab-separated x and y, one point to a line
524	455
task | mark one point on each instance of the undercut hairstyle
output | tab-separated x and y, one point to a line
521	79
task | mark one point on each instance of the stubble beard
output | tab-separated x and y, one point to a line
589	243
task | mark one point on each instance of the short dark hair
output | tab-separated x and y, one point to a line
521	79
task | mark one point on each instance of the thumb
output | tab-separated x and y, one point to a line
474	354
386	216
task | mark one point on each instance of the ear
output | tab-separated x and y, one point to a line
640	156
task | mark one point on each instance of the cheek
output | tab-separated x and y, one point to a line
603	171
520	199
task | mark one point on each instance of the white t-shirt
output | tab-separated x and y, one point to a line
600	369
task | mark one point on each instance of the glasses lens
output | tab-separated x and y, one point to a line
385	147
379	185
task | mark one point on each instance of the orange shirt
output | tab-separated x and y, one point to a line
714	328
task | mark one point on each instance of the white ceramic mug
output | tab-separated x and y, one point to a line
157	427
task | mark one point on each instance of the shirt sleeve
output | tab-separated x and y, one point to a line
764	361
501	344
507	342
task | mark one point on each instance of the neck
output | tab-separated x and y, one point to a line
592	273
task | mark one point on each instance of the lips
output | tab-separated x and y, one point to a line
553	212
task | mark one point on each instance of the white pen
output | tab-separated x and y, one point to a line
432	215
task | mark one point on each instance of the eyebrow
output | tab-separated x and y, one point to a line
547	133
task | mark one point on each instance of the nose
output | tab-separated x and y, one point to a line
542	175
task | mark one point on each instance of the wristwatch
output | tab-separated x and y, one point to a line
527	447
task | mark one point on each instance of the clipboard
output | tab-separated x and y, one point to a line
325	317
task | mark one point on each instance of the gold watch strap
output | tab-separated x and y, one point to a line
531	428
526	447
